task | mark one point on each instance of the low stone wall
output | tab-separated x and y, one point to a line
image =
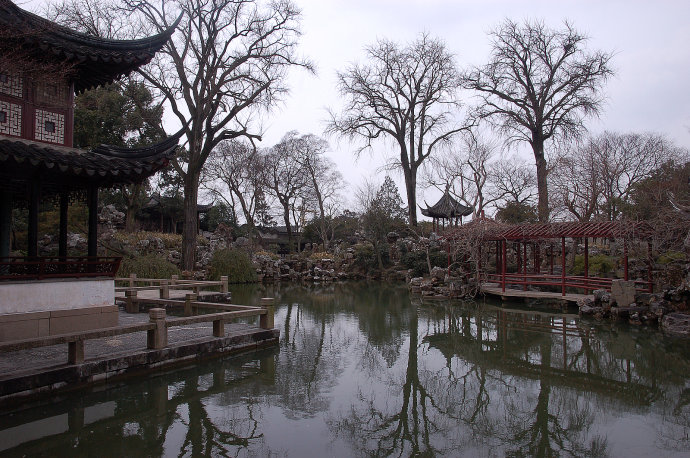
50	295
16	326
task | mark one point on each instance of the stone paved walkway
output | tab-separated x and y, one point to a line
12	363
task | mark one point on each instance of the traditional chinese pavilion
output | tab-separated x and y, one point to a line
38	295
446	212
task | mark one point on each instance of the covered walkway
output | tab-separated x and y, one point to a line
538	253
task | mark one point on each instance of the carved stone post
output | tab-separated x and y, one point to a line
218	328
157	338
188	299
266	320
224	284
164	290
131	303
75	352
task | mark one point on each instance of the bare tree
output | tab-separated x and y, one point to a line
404	94
284	176
238	166
100	18
596	179
512	180
538	86
325	181
625	161
576	182
227	60
465	173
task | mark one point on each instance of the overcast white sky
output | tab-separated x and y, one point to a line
650	39
652	62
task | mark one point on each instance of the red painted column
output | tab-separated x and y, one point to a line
551	259
503	265
586	257
524	267
563	266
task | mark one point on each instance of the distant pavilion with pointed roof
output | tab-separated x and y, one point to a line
447	209
43	66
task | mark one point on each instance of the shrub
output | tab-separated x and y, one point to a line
599	264
365	256
148	266
671	256
233	263
170	241
416	260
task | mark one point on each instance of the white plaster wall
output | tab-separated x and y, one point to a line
48	295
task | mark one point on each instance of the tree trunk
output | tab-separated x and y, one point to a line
288	228
411	189
542	189
129	219
377	249
189	229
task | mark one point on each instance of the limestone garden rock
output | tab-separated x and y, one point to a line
110	217
677	324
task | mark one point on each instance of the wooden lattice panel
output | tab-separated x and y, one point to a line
11	85
50	127
10	119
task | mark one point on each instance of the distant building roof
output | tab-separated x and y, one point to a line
95	60
446	207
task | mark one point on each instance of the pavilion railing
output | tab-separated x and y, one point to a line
568	281
41	267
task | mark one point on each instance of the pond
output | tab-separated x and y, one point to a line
364	370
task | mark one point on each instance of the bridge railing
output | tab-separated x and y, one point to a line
587	284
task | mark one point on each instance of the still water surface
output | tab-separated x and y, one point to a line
363	370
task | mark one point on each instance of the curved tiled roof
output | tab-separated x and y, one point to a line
95	60
104	165
446	207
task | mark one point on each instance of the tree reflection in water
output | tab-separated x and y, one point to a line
362	370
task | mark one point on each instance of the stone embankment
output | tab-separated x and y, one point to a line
441	285
296	268
668	309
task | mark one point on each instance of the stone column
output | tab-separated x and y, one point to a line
188	299
266	320
157	338
131	304
164	290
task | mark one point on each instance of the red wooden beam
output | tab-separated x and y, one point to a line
563	266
